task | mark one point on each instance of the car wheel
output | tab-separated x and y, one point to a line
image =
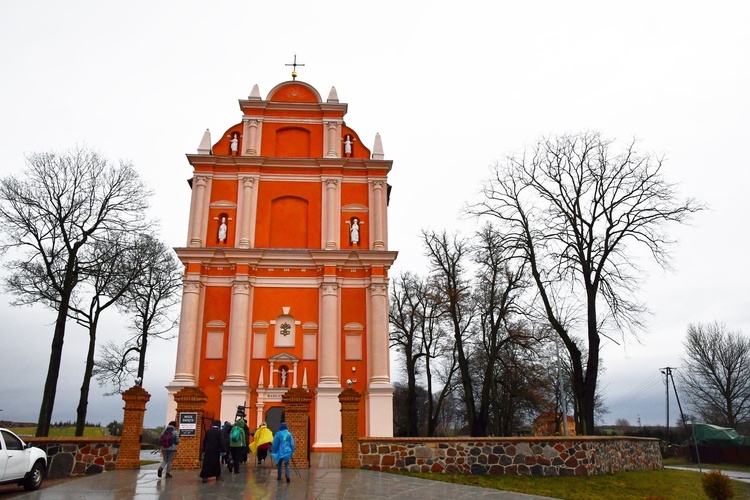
33	480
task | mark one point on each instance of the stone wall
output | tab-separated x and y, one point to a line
552	456
78	456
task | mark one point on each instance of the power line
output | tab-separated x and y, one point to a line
642	387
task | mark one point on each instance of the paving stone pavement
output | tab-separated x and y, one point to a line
260	483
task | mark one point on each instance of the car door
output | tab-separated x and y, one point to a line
3	458
16	459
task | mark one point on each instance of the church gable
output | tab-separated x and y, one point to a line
294	91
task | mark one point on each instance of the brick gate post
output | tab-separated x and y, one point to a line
349	399
297	414
132	428
190	400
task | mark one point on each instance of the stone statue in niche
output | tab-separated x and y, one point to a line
234	143
283	377
223	230
348	143
354	232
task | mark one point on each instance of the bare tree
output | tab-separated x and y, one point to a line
113	265
149	300
521	389
452	288
499	287
407	319
715	377
417	334
48	213
575	208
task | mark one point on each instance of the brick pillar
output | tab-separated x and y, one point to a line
349	400
132	427
297	414
190	400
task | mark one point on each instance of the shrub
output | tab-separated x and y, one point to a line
717	486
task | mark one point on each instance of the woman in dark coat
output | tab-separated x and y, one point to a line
213	445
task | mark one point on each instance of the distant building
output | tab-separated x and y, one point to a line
546	424
286	267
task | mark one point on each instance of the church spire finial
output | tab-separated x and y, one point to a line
294	67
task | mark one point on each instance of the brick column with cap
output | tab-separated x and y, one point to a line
297	414
190	400
349	399
132	428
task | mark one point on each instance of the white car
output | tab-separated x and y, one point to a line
21	463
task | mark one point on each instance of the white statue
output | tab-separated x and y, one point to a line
354	232
234	143
223	230
348	142
283	377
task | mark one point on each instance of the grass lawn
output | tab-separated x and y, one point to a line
28	432
663	484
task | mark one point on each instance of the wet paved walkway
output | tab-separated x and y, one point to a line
260	482
732	474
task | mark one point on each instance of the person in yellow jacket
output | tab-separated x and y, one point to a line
262	440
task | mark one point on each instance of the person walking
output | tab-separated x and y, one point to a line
169	440
226	457
282	450
262	440
213	446
246	448
237	444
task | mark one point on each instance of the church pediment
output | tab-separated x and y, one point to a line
294	91
283	357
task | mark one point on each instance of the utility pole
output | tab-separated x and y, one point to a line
667	371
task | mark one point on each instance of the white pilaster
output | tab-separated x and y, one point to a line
332	137
188	335
231	398
330	214
378	352
328	347
197	215
238	332
378	214
328	418
246	210
379	408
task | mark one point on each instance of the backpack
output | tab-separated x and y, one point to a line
236	435
167	439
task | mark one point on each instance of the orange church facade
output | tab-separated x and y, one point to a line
286	267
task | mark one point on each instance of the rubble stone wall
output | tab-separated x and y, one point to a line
78	456
552	456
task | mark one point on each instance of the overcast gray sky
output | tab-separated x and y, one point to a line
450	86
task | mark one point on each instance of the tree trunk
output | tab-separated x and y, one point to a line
83	402
142	356
53	370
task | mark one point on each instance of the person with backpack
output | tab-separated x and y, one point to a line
237	444
168	440
282	450
226	457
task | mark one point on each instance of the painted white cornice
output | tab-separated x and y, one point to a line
291	258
